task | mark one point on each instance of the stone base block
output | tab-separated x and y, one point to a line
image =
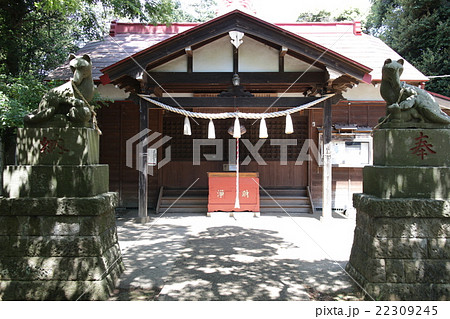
57	146
407	182
411	147
61	289
55	181
58	245
400	291
60	268
401	248
58	248
54	206
55	225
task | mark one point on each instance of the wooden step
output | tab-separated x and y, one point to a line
177	209
283	201
180	200
290	210
283	192
196	201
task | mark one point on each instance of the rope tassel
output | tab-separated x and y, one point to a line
289	126
237	128
211	130
263	129
187	126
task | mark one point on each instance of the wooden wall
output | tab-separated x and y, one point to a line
119	122
346	181
181	173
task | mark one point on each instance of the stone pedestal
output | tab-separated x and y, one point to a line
58	237
401	247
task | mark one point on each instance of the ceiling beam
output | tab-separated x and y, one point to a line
214	78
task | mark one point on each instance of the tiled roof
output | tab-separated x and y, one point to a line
344	38
363	48
112	49
442	100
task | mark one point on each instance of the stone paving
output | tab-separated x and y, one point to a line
273	257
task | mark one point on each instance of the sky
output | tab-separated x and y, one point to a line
289	10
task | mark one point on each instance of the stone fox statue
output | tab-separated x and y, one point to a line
64	103
407	103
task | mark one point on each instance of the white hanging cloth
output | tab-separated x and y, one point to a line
187	126
211	130
289	126
237	128
263	129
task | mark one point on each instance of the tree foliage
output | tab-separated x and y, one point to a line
419	31
316	16
37	35
197	11
326	16
19	95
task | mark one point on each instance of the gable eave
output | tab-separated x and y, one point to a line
235	21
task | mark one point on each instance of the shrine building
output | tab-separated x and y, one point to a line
239	63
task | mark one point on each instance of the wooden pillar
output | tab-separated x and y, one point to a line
190	59
283	52
143	167
235	60
327	185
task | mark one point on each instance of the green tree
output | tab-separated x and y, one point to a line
350	14
317	16
37	36
197	11
419	31
326	16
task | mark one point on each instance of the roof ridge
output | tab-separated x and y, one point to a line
118	27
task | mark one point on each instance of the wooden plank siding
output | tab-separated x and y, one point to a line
120	121
181	174
346	181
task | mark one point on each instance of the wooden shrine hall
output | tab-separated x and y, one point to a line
238	63
194	70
